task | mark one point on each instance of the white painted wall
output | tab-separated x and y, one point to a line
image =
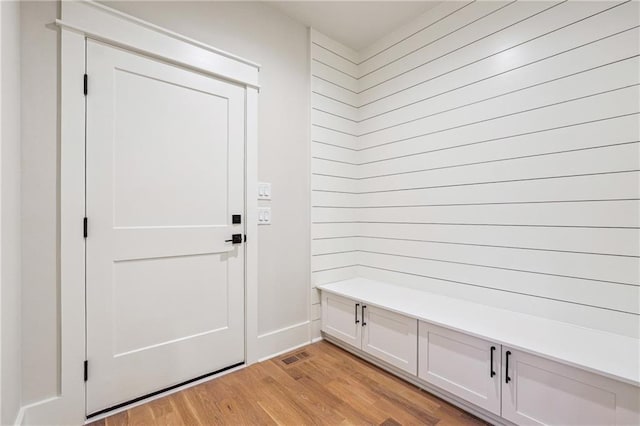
40	182
10	380
249	29
497	159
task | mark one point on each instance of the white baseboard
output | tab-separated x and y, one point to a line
291	349
284	340
35	413
20	417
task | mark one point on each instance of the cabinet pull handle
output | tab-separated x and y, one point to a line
507	379
363	322
357	320
493	373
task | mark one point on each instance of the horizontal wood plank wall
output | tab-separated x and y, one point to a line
333	107
495	157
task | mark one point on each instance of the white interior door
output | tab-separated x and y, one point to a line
165	174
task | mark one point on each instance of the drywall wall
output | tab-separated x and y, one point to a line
10	380
40	208
497	159
249	29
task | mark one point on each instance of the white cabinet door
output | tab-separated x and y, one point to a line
391	337
341	319
461	364
537	391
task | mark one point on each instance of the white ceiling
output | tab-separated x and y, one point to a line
356	24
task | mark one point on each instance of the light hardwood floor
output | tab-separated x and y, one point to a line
319	384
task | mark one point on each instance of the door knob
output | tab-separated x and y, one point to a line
235	239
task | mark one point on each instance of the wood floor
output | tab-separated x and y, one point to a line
319	384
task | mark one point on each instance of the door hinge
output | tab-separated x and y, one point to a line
245	238
85	227
86	370
85	84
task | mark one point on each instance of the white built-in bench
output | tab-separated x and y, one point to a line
557	373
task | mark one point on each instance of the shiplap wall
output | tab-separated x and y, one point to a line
333	97
488	151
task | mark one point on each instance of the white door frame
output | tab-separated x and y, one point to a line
87	19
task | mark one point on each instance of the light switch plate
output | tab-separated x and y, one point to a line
264	191
264	215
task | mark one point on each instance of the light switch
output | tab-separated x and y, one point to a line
264	191
264	215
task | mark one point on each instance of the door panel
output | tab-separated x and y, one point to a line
544	392
341	319
460	364
391	337
143	322
165	172
148	155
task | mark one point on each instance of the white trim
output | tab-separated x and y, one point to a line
282	352
279	341
104	24
20	417
284	329
251	227
30	411
83	19
170	33
68	406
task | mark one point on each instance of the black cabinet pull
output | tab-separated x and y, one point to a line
507	379
493	373
357	320
363	322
